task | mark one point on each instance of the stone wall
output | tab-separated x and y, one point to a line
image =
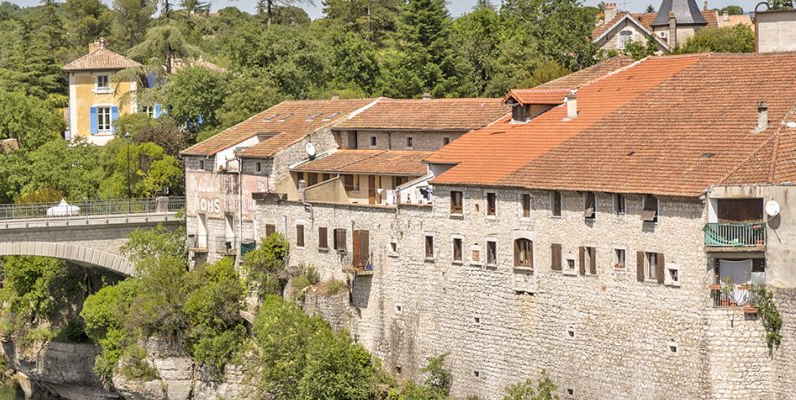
598	336
396	140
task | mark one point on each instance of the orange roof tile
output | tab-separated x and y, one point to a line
286	123
377	162
733	20
430	114
678	137
586	75
712	17
101	59
538	96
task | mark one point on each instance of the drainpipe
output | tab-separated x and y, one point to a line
238	241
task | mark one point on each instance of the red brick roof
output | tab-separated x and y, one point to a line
431	114
681	135
287	123
375	162
101	59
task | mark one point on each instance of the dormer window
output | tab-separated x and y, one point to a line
519	112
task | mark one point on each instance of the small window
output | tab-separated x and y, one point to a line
650	266
351	183
300	235
409	142
491	252
526	205
519	113
373	141
429	243
619	258
491	203
620	203
258	166
104	119
323	238
456	202
202	164
446	141
285	117
570	265
270	229
102	82
555	263
523	253
339	240
149	111
588	260
650	213
590	205
555	200
457	249
393	246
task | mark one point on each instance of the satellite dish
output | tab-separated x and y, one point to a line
310	149
772	208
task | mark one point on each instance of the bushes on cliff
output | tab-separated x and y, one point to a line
265	263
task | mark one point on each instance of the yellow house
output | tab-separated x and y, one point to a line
94	101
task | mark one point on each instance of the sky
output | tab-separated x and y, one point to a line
456	7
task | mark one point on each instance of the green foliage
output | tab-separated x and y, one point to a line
308	277
769	314
130	22
28	119
545	389
36	289
336	368
732	10
266	262
45	168
152	172
437	377
87	21
334	286
194	94
162	44
248	92
134	365
736	39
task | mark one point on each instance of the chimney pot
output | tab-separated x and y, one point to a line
426	96
335	97
762	117
572	104
705	5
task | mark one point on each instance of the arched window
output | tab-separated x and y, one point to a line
523	253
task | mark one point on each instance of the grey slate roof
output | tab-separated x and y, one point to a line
686	12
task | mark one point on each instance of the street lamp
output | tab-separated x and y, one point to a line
127	141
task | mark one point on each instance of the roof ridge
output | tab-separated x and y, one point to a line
774	162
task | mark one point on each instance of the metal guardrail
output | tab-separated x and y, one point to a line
10	212
736	234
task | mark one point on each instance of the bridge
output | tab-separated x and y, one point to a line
88	233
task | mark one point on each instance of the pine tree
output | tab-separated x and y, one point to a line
131	20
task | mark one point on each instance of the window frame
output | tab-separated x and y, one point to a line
323	238
556	204
556	255
446	141
410	142
620	262
428	246
525	205
491	204
620	204
108	125
102	88
646	209
300	235
491	252
457	253
373	141
590	199
457	209
340	239
523	246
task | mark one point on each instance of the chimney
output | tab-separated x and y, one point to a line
426	96
610	12
725	16
99	44
762	117
572	104
705	5
335	97
672	31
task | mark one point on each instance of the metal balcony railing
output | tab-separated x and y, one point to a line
88	208
735	234
225	246
723	295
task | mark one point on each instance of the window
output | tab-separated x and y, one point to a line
103	119
555	263
456	202
339	240
526	205
588	258
625	37
351	183
446	141
457	249
555	200
619	258
650	213
258	166
620	203
285	117
523	253
312	179
102	82
589	206
300	235
519	113
270	229
491	252
202	164
373	141
323	238
491	203
393	246
650	266
409	142
149	111
429	243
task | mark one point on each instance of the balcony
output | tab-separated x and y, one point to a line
735	236
225	246
727	295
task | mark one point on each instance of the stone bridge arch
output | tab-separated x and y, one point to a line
69	252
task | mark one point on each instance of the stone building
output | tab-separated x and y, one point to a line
607	231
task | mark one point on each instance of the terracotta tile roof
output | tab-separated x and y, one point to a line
101	59
712	18
645	19
430	114
538	96
287	123
586	75
377	162
691	130
180	64
733	20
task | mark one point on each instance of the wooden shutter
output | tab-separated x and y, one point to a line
364	247
555	249
300	235
517	253
640	266
356	259
582	260
593	261
323	238
339	240
659	267
269	229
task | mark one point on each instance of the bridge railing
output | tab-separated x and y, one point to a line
83	209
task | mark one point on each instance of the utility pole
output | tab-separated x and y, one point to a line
127	141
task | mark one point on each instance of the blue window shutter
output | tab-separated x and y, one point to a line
114	117
157	111
150	80
200	120
93	118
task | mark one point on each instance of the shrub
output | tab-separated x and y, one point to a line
334	286
309	276
265	263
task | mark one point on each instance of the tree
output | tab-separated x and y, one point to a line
131	21
266	7
47	21
478	35
425	59
194	95
732	10
780	4
736	39
152	172
27	63
248	92
162	45
28	119
377	18
266	262
46	165
354	63
87	21
650	9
